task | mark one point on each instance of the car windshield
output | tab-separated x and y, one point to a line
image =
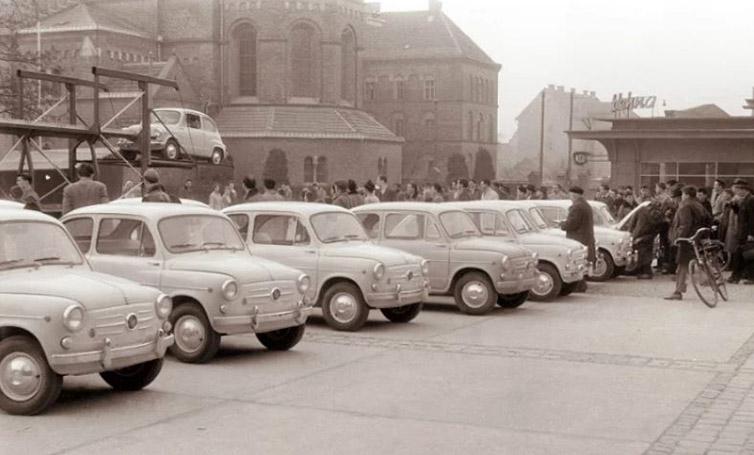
35	244
603	217
519	222
539	219
188	233
491	224
338	227
167	117
459	225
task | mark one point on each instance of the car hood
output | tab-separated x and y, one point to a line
602	235
500	246
241	265
538	238
369	251
91	289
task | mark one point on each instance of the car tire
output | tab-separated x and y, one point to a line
43	385
344	308
512	300
133	378
475	294
549	284
217	157
283	339
604	267
172	150
195	339
403	314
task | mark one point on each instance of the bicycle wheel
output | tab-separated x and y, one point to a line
704	284
716	266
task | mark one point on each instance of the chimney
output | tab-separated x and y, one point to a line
550	86
593	94
586	93
561	88
435	6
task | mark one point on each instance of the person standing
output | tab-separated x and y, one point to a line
216	199
249	187
269	193
644	228
488	193
463	194
353	194
340	194
153	189
579	224
230	195
29	197
187	192
689	218
371	197
745	230
384	192
85	192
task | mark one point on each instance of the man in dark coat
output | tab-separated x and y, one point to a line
689	218
85	192
340	194
644	227
579	225
745	232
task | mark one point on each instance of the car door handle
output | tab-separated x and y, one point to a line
310	251
154	263
439	245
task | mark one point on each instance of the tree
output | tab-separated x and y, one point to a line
484	169
457	168
276	166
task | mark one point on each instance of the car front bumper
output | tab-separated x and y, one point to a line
111	357
397	298
517	286
261	322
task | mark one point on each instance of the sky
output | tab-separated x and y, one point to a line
686	52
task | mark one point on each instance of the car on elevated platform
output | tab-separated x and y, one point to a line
196	256
58	317
478	272
350	274
176	132
562	262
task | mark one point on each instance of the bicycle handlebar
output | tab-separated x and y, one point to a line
695	237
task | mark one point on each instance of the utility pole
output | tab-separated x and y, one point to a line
570	141
542	142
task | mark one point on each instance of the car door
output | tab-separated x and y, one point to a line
283	238
196	140
125	247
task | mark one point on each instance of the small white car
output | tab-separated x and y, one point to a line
479	273
5	204
562	262
615	251
350	275
137	200
195	255
58	317
175	131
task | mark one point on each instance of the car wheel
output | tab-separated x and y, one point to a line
217	157
548	284
475	294
28	385
512	300
604	267
403	314
283	339
195	339
344	308
171	151
133	378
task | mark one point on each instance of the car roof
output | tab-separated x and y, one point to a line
16	214
180	109
431	207
4	204
137	200
147	209
304	208
489	205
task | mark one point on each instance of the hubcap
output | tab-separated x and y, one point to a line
343	307
20	376
475	294
545	283
217	157
172	151
189	334
600	266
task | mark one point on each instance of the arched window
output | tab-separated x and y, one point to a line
348	66
308	169
321	170
302	61
244	60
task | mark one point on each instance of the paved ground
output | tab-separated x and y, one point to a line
615	371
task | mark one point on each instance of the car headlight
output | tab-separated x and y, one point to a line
425	267
535	256
230	289
73	317
570	253
504	261
163	306
379	271
303	283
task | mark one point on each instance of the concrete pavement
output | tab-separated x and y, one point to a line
617	370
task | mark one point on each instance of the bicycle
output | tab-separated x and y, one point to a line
706	269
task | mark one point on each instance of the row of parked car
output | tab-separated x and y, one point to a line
111	287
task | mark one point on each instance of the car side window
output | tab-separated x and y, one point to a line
283	230
432	232
209	125
371	223
193	121
81	231
242	224
554	213
404	226
125	237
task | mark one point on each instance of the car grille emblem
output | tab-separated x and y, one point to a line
276	294
132	321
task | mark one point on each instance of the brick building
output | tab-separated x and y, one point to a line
292	76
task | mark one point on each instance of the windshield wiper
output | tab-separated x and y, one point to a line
334	239
184	245
218	246
52	259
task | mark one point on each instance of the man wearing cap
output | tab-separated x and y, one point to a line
690	217
579	225
153	189
745	232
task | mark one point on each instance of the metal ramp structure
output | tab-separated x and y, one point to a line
79	132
